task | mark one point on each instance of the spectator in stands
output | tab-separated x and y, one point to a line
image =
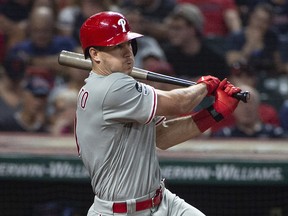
73	80
280	23
186	51
245	7
247	121
11	75
221	16
283	53
67	17
62	121
87	9
257	43
16	10
147	47
13	16
153	14
283	114
31	116
43	45
52	4
242	73
151	9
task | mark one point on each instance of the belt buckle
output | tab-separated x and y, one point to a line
158	193
153	209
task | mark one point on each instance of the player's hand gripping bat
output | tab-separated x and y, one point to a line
77	60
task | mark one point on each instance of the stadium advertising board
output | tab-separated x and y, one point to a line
175	171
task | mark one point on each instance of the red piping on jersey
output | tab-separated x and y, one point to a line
154	107
160	120
75	135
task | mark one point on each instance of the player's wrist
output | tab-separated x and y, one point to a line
204	86
204	119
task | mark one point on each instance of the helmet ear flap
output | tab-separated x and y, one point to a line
86	52
134	46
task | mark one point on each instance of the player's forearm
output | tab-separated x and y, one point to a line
176	131
180	101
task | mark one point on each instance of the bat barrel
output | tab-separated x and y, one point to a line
74	59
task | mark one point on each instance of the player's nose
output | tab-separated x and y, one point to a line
127	48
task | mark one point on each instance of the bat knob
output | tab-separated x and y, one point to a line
243	96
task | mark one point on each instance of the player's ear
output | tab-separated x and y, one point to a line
94	54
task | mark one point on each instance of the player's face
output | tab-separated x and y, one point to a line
118	58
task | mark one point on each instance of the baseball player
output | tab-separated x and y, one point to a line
120	122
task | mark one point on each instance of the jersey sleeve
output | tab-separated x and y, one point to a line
129	101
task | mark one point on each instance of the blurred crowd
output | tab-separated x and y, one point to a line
244	40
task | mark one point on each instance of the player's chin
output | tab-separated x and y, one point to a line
128	72
127	68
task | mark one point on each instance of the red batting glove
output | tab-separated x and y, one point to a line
211	83
224	105
229	88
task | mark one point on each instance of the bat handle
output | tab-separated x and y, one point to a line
243	96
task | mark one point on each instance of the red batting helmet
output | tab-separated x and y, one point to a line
106	29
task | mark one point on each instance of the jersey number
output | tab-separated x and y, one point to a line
83	96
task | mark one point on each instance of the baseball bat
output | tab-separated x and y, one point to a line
77	60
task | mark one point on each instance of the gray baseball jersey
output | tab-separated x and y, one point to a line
115	133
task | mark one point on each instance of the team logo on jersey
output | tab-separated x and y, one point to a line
142	88
138	86
122	23
145	90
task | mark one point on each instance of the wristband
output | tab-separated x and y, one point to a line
206	118
217	116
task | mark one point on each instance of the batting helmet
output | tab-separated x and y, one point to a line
106	29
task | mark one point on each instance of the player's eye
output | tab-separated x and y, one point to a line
123	45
